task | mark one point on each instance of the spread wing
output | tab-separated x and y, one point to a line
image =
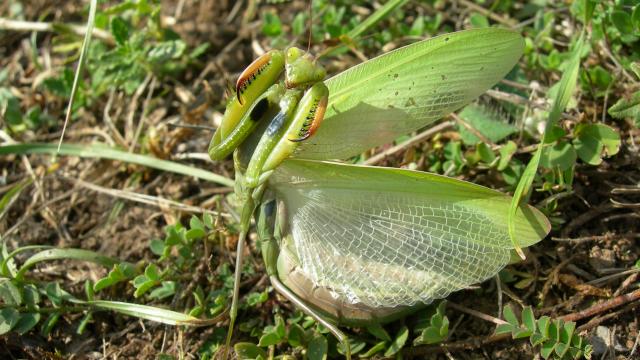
388	237
404	90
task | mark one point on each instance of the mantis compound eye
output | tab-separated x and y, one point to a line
301	69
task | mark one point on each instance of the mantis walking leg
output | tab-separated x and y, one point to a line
282	289
245	223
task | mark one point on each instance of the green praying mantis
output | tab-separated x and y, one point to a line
357	245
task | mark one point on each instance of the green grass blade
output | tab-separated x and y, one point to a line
105	152
4	266
151	313
567	85
376	17
85	48
67	254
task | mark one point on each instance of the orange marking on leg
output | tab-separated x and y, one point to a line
317	119
249	74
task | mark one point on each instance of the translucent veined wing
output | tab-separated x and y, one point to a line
388	237
374	102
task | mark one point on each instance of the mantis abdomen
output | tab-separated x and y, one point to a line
329	303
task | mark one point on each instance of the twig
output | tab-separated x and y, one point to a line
490	14
143	115
605	237
476	313
145	199
76	78
473	130
19	25
604	306
414	140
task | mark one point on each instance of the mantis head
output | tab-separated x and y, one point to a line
301	69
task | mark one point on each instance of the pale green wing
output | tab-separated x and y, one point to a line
388	237
399	92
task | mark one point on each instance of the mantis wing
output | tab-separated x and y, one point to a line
409	88
389	237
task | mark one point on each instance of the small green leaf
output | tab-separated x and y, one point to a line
27	322
486	123
157	247
485	153
279	327
398	342
143	286
528	319
119	30
49	323
506	152
374	349
627	107
167	288
510	316
271	24
31	296
249	351
595	141
547	349
298	24
256	298
195	234
561	155
270	338
296	336
9	293
543	326
317	349
56	294
537	339
479	21
566	333
504	329
86	319
9	318
166	50
622	21
378	331
151	272
208	221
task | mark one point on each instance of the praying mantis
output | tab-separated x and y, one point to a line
357	245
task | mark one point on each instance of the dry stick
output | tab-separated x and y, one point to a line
414	140
129	132
107	120
76	77
479	341
488	13
605	237
476	313
604	306
142	198
473	130
18	25
143	116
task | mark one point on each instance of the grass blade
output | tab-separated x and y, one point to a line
70	254
567	85
105	152
376	17
85	47
152	313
